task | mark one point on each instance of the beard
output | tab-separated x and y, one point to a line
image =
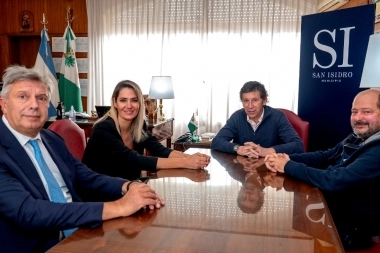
372	129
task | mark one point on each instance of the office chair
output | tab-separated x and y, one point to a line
299	125
72	134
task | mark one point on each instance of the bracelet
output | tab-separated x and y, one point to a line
130	182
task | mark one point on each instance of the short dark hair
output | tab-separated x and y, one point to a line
254	86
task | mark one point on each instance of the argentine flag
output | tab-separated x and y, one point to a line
45	66
69	87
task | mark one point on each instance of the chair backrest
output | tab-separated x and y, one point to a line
299	125
72	134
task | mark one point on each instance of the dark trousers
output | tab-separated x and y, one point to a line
354	240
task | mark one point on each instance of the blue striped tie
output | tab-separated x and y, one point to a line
55	191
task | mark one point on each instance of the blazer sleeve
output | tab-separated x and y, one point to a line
26	206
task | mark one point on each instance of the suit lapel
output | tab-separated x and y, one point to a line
25	170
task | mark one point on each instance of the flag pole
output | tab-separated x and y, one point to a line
69	83
44	22
45	66
69	17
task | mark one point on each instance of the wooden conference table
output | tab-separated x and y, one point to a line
202	214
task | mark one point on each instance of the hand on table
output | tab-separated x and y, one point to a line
257	150
247	150
276	162
197	161
138	196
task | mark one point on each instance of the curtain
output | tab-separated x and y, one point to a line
209	47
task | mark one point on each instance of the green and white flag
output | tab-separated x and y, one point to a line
69	87
192	125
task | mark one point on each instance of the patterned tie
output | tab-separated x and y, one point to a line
55	191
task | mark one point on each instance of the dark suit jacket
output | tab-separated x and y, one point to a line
106	153
29	222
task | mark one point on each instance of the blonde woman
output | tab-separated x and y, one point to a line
118	140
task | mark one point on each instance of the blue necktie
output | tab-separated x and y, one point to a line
55	191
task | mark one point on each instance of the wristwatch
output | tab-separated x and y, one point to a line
141	180
130	182
236	147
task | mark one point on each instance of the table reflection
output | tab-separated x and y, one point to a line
236	205
243	197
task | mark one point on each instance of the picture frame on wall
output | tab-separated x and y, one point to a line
26	21
377	13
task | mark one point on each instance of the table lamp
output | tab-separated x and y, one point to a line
371	70
161	87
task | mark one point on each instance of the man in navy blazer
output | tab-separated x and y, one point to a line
29	220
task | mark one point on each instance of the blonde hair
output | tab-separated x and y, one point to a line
137	132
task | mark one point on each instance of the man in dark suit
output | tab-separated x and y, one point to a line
30	219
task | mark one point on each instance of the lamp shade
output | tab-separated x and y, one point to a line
371	69
161	87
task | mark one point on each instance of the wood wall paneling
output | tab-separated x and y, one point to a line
354	3
23	50
2	14
3	54
13	9
21	47
57	11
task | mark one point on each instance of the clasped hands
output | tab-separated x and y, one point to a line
253	150
276	162
197	161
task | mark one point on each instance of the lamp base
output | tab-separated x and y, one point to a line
161	118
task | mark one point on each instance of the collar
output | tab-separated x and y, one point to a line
22	139
259	121
373	137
